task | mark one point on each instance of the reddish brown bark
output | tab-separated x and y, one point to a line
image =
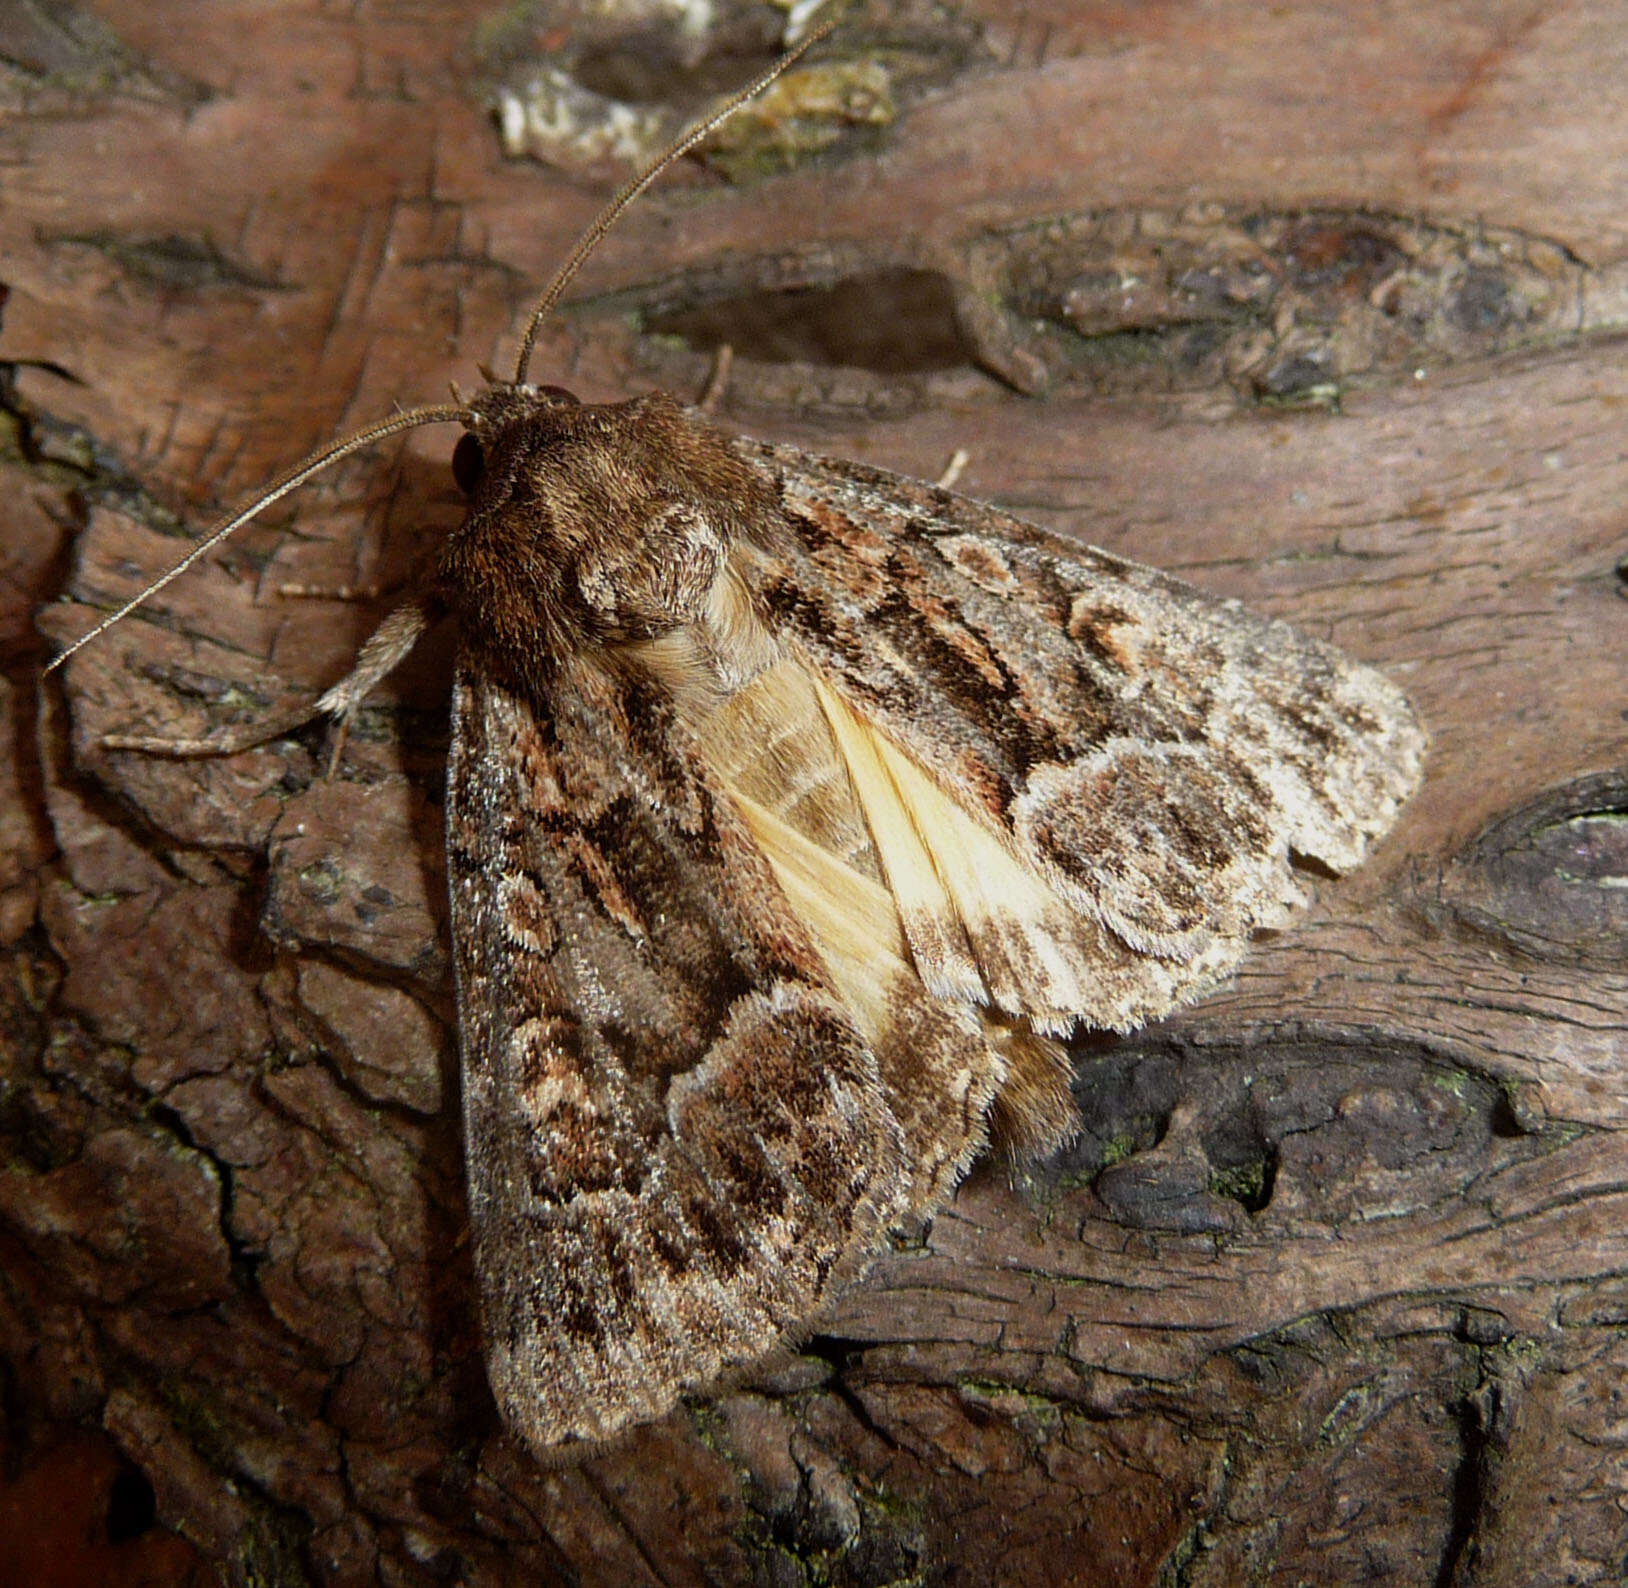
1333	1286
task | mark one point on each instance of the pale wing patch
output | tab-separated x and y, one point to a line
928	915
950	1064
911	894
843	844
1021	1076
851	915
770	746
982	925
771	749
855	922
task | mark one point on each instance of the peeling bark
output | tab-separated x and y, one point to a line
1333	1287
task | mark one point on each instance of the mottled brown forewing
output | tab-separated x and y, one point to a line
1158	754
676	1140
796	814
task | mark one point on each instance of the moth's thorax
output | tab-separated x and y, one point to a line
609	528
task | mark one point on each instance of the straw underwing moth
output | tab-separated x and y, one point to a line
796	812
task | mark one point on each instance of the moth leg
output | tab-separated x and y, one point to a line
385	650
957	462
723	360
329	592
229	741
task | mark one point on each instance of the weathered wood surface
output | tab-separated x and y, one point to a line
1335	1285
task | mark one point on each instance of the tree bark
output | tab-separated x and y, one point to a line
1312	305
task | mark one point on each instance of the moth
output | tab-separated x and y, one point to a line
796	814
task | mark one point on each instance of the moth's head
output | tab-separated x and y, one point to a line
500	407
593	523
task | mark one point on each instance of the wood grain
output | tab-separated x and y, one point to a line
1333	1287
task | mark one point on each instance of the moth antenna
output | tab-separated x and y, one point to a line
631	189
297	476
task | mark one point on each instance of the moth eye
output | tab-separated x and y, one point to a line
468	463
558	394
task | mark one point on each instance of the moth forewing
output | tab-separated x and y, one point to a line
1155	756
678	1139
982	923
